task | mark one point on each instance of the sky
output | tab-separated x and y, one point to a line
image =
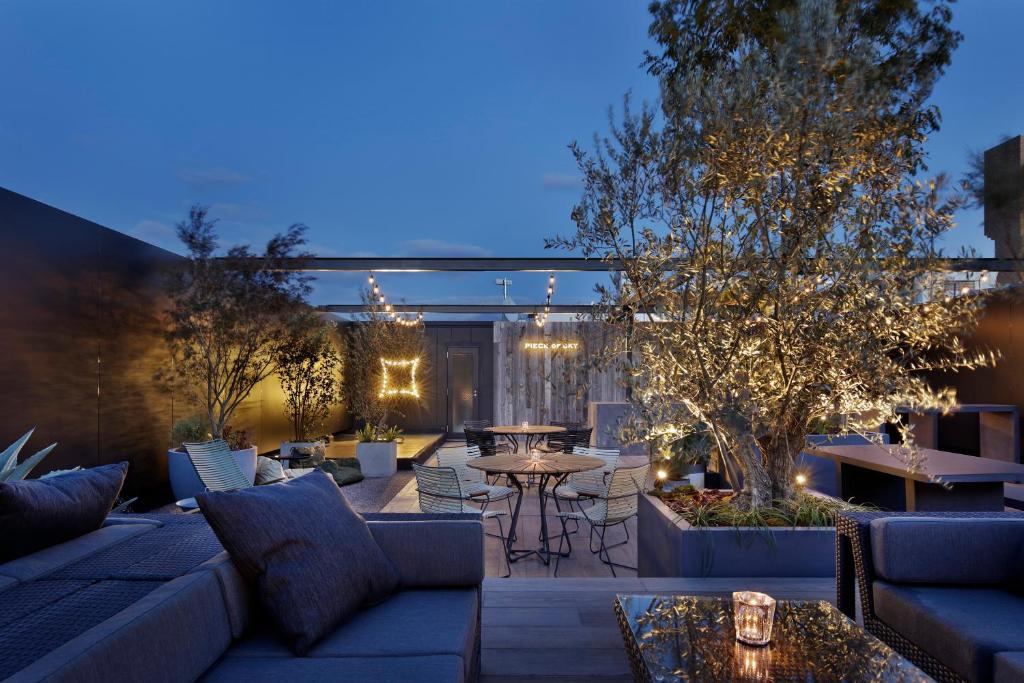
389	128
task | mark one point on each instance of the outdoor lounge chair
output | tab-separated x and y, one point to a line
216	467
617	504
440	492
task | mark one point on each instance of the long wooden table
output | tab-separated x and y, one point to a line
939	481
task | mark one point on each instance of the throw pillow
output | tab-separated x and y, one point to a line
310	555
268	471
39	513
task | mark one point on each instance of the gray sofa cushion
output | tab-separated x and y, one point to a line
239	600
432	622
422	669
39	513
55	557
962	627
433	553
961	551
310	576
172	634
1009	667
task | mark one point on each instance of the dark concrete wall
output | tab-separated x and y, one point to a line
432	413
1001	328
81	327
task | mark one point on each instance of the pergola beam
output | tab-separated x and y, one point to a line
549	264
462	308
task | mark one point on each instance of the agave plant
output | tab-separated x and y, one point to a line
10	469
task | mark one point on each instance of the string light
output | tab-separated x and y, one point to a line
381	300
387	388
541	318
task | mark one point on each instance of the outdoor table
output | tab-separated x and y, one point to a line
940	481
556	466
689	638
531	432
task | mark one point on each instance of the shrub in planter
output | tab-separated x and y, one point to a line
377	450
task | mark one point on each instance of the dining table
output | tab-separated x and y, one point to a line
547	467
531	433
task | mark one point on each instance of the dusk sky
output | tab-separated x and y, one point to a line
414	128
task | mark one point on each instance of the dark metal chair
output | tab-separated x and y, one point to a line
478	425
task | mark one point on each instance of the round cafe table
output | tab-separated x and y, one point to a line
532	433
550	466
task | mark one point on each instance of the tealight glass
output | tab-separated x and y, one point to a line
753	614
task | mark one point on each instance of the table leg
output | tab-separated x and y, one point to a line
514	441
545	548
511	553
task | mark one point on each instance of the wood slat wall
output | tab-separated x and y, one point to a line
540	386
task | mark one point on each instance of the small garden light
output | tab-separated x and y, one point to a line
801	480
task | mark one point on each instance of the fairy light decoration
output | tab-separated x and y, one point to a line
380	300
541	318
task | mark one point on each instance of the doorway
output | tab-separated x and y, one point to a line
463	386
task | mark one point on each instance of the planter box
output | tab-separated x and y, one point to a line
185	482
377	458
668	546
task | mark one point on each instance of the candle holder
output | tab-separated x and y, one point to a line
753	614
525	425
535	456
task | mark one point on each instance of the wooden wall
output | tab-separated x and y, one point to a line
540	386
81	329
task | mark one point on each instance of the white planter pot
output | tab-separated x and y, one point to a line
377	458
287	446
185	482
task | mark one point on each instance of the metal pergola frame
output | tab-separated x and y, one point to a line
541	264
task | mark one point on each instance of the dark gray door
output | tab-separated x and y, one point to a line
463	386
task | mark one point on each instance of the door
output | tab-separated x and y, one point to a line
463	387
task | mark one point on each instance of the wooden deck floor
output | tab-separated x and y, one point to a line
414	447
564	630
581	563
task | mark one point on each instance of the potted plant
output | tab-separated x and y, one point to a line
778	256
229	318
309	370
377	450
684	459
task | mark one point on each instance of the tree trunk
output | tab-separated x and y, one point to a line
757	482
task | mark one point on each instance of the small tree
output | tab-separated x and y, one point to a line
372	342
779	251
310	370
230	317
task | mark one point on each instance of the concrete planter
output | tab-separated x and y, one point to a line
377	458
668	546
185	482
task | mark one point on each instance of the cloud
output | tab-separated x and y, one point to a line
432	247
213	178
156	233
561	181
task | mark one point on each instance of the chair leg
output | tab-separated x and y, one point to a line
564	536
605	557
504	547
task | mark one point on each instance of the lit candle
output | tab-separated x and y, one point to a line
534	456
526	425
753	614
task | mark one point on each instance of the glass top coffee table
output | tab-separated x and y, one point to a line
687	638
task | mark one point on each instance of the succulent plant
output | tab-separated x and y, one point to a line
10	469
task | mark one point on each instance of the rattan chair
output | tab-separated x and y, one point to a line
440	491
618	505
217	469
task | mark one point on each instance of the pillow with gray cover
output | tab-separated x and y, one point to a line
310	555
39	513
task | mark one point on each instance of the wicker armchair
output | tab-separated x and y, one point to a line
856	574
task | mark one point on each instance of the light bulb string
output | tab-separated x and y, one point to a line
541	318
381	301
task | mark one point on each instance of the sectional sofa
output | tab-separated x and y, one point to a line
944	589
156	598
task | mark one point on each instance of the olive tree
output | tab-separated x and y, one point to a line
777	244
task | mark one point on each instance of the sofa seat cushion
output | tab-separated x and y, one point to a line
420	669
431	621
1009	667
962	627
58	556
